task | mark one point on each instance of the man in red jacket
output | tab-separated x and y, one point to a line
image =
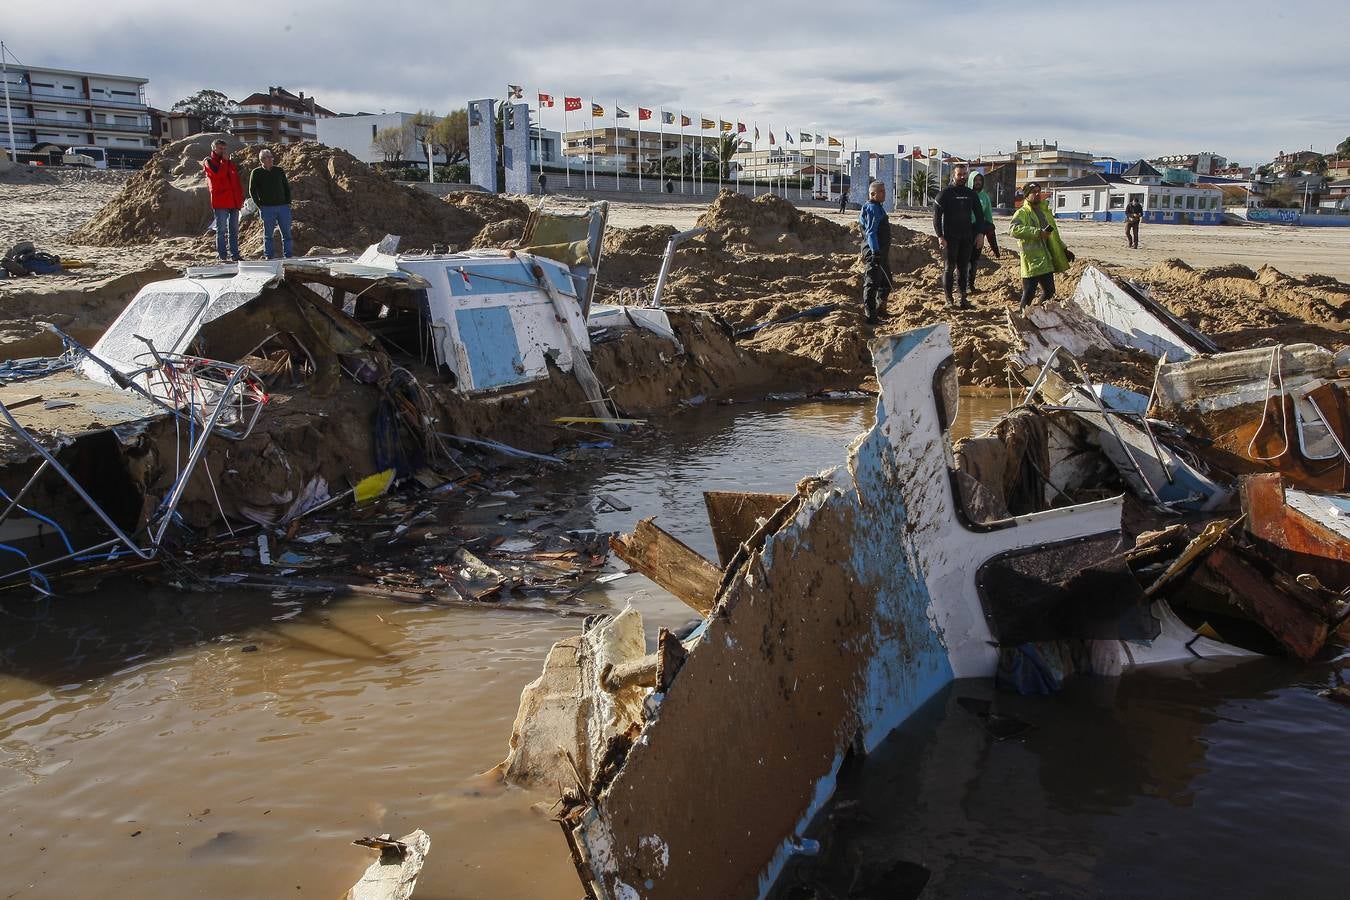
227	197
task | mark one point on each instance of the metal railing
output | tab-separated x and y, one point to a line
74	125
72	99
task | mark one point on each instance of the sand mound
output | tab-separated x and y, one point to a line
337	201
499	235
25	174
769	222
489	207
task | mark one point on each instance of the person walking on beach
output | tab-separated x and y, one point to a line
543	183
268	187
843	199
957	219
876	251
1043	251
1134	211
988	235
227	198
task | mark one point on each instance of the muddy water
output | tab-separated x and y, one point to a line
169	745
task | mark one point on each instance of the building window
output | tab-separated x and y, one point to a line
1059	200
1087	201
1152	201
1167	201
1190	201
1117	201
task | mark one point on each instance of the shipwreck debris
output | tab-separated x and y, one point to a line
394	875
848	607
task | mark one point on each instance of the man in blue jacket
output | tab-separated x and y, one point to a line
876	251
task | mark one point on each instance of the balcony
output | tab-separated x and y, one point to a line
70	98
76	125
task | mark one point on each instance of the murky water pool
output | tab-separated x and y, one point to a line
169	745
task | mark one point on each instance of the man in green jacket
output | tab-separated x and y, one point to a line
1043	251
976	182
268	187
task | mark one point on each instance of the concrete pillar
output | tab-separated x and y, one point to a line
483	145
516	148
860	171
886	175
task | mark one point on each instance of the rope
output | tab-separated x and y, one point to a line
1275	371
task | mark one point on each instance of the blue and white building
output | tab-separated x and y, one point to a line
1102	197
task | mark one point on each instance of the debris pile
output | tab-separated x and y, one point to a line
338	202
1093	530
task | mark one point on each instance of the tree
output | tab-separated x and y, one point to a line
212	106
920	182
1317	165
450	136
1343	147
389	143
725	149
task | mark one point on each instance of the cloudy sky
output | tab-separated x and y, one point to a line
1240	78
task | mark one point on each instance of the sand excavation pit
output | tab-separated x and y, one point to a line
337	202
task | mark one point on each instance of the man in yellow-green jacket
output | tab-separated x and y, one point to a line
1043	250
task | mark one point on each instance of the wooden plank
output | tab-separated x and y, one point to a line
671	564
735	516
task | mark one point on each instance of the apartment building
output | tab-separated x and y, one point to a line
622	148
786	162
66	108
1050	164
277	117
1203	163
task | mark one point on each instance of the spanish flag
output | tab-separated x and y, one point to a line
835	142
598	112
708	123
723	125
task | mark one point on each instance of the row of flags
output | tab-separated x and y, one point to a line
574	104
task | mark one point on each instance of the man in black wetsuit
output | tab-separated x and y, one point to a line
957	217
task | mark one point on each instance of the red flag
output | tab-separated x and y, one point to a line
546	100
685	121
771	140
740	128
644	114
571	104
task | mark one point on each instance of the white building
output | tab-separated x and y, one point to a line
67	109
356	134
1102	197
786	162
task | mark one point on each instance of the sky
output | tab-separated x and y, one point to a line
1242	79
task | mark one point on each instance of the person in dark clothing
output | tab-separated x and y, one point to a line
670	186
268	187
843	199
989	236
876	251
1134	211
957	218
543	183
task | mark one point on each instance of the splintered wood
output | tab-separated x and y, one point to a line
671	564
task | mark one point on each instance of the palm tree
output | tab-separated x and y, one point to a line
920	182
725	148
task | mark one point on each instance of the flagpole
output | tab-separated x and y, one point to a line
660	148
682	188
618	157
639	148
567	163
590	136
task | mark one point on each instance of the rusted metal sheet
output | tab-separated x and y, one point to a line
1305	536
1296	625
736	515
851	613
671	564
